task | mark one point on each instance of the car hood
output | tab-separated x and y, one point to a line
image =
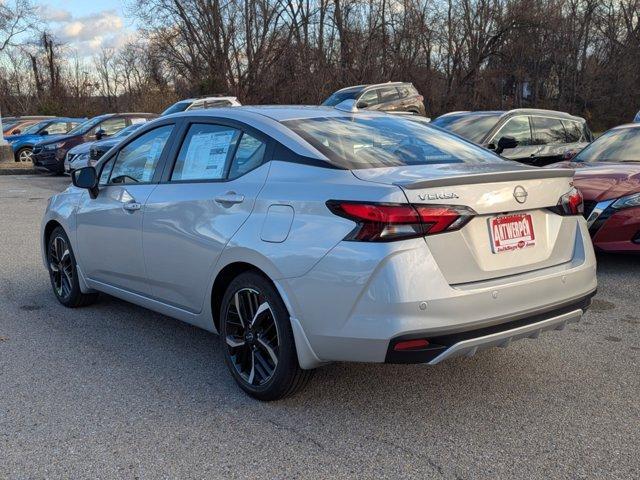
82	148
27	137
54	139
605	180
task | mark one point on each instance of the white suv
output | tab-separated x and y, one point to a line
310	235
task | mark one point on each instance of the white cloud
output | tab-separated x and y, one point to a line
87	34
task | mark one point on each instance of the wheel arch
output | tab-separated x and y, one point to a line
307	358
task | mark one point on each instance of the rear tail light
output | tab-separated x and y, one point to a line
570	203
385	222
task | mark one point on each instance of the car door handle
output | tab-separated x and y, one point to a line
132	206
229	198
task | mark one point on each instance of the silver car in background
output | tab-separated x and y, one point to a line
308	235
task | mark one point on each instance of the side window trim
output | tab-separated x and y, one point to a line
495	136
181	135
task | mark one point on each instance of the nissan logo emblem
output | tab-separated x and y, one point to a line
520	194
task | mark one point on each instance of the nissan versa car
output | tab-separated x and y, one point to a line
388	97
23	142
307	235
608	175
50	154
531	136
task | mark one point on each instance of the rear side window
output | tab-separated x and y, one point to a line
249	155
205	152
518	128
360	141
388	94
548	131
137	161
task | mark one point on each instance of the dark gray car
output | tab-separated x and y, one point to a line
387	97
531	136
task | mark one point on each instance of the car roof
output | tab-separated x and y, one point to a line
355	88
516	111
269	118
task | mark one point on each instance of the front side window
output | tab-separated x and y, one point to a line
205	152
112	125
137	161
472	127
369	98
57	127
518	128
360	141
621	145
548	131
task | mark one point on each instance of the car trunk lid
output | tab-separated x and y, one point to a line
508	197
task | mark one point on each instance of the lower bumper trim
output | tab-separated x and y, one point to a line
470	347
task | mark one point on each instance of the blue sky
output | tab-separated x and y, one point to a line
88	25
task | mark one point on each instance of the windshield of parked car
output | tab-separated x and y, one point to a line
471	126
8	125
86	126
127	130
35	128
618	145
359	141
341	96
177	107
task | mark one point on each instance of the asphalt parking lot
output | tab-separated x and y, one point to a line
116	391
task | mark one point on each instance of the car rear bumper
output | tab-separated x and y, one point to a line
354	308
467	344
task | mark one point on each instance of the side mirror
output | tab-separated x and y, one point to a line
44	132
99	134
505	143
87	178
362	105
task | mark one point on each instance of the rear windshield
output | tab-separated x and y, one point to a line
339	97
359	141
614	146
471	127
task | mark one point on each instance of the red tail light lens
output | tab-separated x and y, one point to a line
570	203
385	222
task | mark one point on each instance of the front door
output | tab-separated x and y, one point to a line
109	227
519	128
191	216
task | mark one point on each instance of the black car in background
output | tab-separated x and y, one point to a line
50	154
387	97
531	136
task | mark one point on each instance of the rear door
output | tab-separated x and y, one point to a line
518	127
109	227
205	197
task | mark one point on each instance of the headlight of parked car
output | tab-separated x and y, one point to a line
81	158
53	146
627	202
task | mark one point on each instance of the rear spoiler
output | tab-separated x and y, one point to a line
490	177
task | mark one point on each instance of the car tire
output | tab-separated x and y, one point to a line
61	264
257	339
24	155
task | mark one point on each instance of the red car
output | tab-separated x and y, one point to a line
608	175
